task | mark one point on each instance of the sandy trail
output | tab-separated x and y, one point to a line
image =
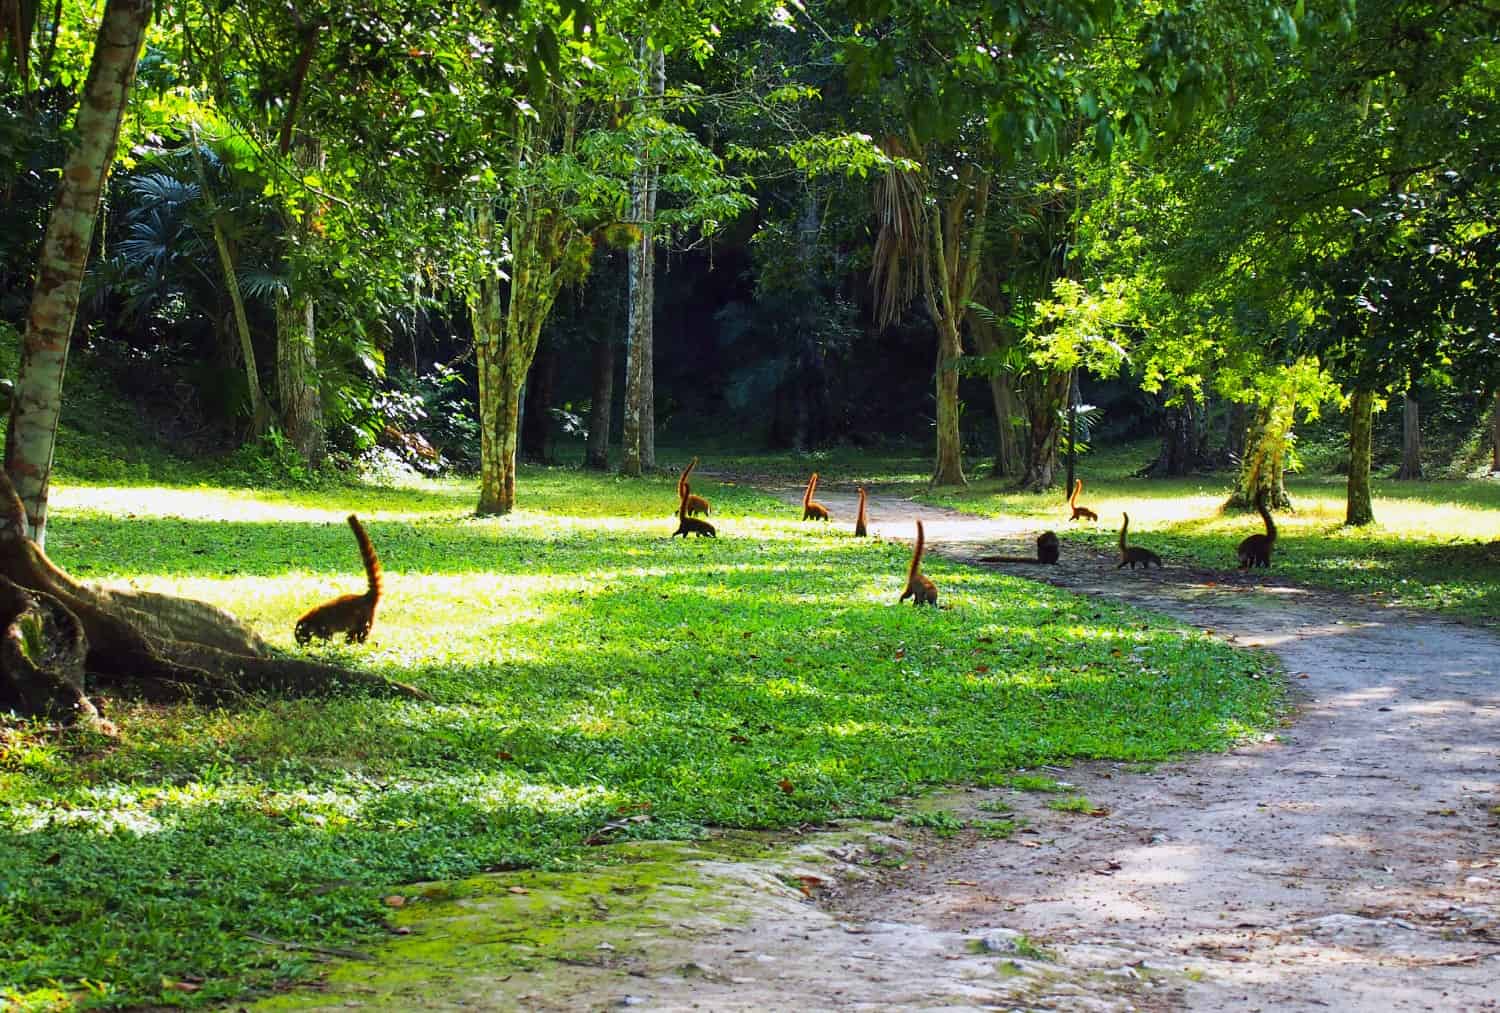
1350	862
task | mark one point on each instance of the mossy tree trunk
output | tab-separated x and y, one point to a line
1263	463
1359	510
541	244
37	400
951	272
638	433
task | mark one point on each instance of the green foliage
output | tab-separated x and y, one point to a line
583	667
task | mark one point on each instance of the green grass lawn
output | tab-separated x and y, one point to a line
1435	545
583	667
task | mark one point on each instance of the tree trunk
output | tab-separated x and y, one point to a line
536	423
596	455
260	408
950	463
1263	462
1495	435
1359	511
37	400
639	429
499	387
1043	397
1007	446
296	376
1411	441
1182	444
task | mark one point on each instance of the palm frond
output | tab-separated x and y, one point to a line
900	248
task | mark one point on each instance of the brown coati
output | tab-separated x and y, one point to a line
695	504
1048	549
861	529
1078	511
811	509
691	525
1256	549
350	614
921	589
1132	554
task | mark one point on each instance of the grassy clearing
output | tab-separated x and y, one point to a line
1436	545
586	670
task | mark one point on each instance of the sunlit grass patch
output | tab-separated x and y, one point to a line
583	666
1434	544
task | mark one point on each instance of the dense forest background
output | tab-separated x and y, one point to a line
1240	229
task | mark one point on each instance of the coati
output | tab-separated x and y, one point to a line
1256	549
691	525
921	589
1079	511
695	504
811	509
861	530
349	614
1048	549
1132	554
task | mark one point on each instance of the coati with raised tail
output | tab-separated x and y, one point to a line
1078	511
921	589
691	525
1048	550
861	529
1256	549
1133	554
811	509
695	504
349	614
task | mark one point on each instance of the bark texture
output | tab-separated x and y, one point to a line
536	420
37	400
1359	510
1184	442
956	235
1263	463
638	431
1043	397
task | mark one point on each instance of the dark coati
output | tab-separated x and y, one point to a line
695	504
691	525
811	509
921	589
861	528
1048	550
350	614
1256	549
1078	511
1132	554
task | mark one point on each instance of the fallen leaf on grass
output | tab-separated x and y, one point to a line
518	889
395	900
785	786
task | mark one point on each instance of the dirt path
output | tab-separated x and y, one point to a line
1351	862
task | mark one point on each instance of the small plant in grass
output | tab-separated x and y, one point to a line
998	830
995	805
1074	804
943	824
1036	782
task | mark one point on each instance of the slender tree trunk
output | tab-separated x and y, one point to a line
956	238
1360	511
296	376
1495	435
639	429
1411	440
260	408
37	400
596	455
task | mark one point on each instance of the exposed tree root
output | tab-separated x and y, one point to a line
63	639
